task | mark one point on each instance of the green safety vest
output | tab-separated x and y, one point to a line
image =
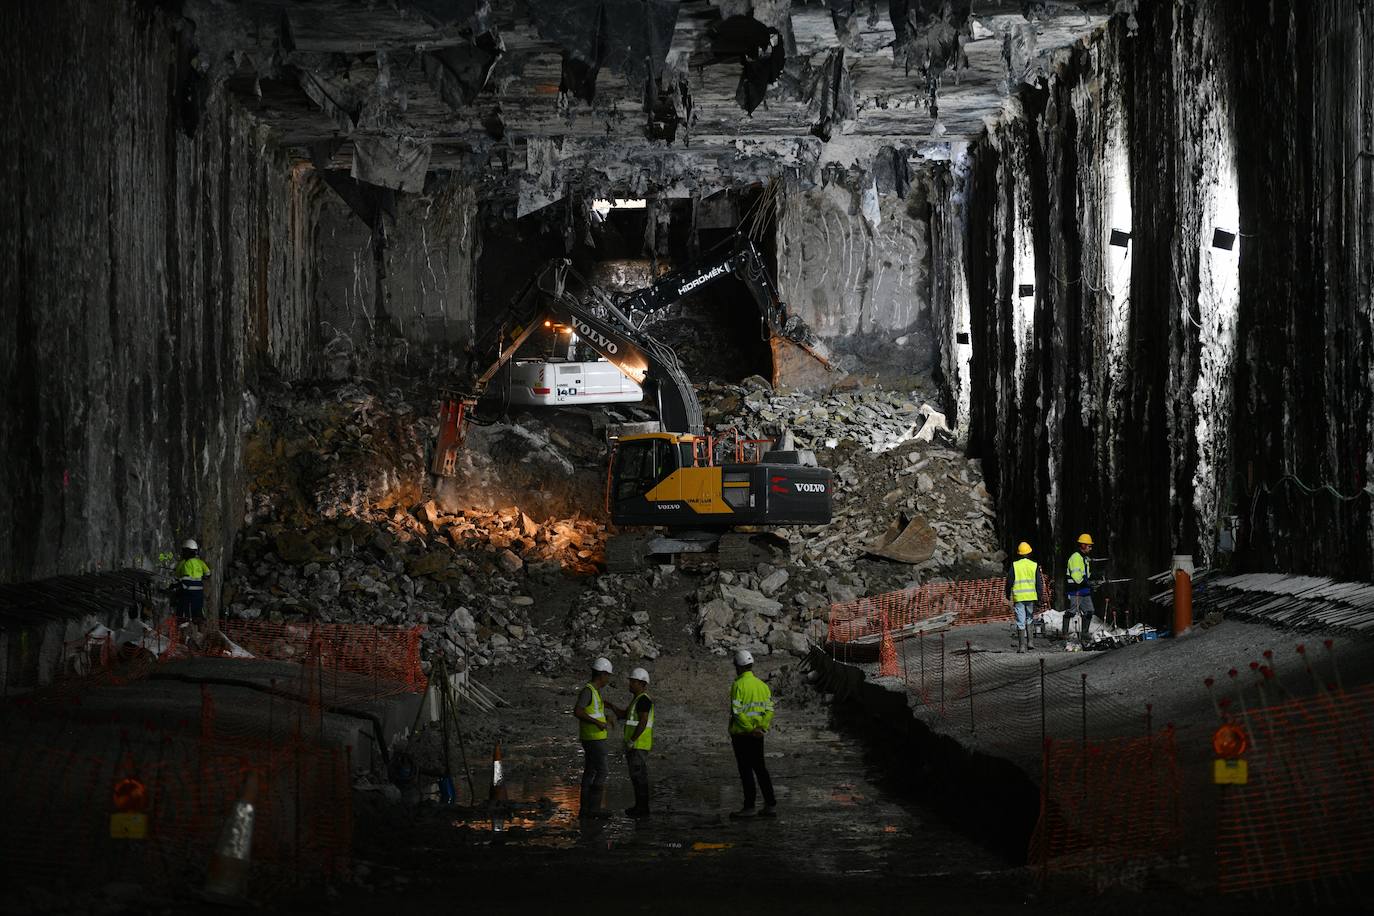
1079	568
586	730
1023	580
191	571
751	704
646	739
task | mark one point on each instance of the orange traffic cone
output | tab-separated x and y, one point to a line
887	656
226	880
496	799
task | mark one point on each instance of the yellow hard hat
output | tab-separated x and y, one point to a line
1022	549
1085	539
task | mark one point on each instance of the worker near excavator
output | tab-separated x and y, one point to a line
590	712
638	716
191	574
1025	593
1080	588
751	715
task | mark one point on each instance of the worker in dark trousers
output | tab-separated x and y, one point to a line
638	716
191	574
751	715
590	712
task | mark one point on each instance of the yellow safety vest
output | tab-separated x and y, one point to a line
645	741
1080	567
751	704
1023	580
191	572
586	730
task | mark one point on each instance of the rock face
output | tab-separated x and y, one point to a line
1146	393
864	290
155	258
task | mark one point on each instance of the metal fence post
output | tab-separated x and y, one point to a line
942	674
1042	700
968	654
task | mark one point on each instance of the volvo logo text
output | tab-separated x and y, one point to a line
596	337
810	487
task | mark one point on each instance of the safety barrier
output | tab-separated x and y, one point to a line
859	625
387	656
60	792
1303	817
1109	810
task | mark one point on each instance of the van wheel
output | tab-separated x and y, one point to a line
626	553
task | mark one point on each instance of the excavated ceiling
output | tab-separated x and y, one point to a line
539	96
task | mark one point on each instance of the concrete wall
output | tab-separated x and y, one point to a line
424	305
1147	393
145	277
860	288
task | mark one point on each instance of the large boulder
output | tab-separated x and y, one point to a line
746	599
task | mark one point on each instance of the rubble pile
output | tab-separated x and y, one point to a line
891	462
872	418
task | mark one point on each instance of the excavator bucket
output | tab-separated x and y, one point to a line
452	432
906	541
796	365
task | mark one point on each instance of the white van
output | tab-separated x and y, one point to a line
541	382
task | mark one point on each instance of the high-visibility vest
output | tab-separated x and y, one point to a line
1080	568
190	572
586	730
646	739
751	704
1024	573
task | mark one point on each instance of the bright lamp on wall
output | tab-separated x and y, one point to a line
1223	239
1119	238
1025	290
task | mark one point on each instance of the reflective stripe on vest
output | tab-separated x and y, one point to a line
1080	567
586	730
751	704
645	741
1023	580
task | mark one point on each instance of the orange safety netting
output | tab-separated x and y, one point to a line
389	656
1108	809
864	620
1304	816
58	798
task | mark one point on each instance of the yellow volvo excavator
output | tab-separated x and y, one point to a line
668	479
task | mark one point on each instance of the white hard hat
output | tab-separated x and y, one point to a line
743	657
602	664
639	674
191	544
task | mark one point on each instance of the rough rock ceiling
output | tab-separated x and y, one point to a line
500	88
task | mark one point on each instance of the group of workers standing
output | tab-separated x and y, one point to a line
751	715
1025	591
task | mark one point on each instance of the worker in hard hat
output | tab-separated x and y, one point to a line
751	715
1025	592
590	712
1080	588
191	574
638	716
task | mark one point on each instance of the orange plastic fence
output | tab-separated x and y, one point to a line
390	656
971	601
1108	809
58	797
1305	814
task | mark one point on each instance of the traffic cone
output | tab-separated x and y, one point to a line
226	880
887	657
496	799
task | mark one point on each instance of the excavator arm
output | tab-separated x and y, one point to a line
603	327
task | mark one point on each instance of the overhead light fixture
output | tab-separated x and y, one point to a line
1120	238
1026	290
1223	239
961	337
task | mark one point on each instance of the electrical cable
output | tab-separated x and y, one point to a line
1265	488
